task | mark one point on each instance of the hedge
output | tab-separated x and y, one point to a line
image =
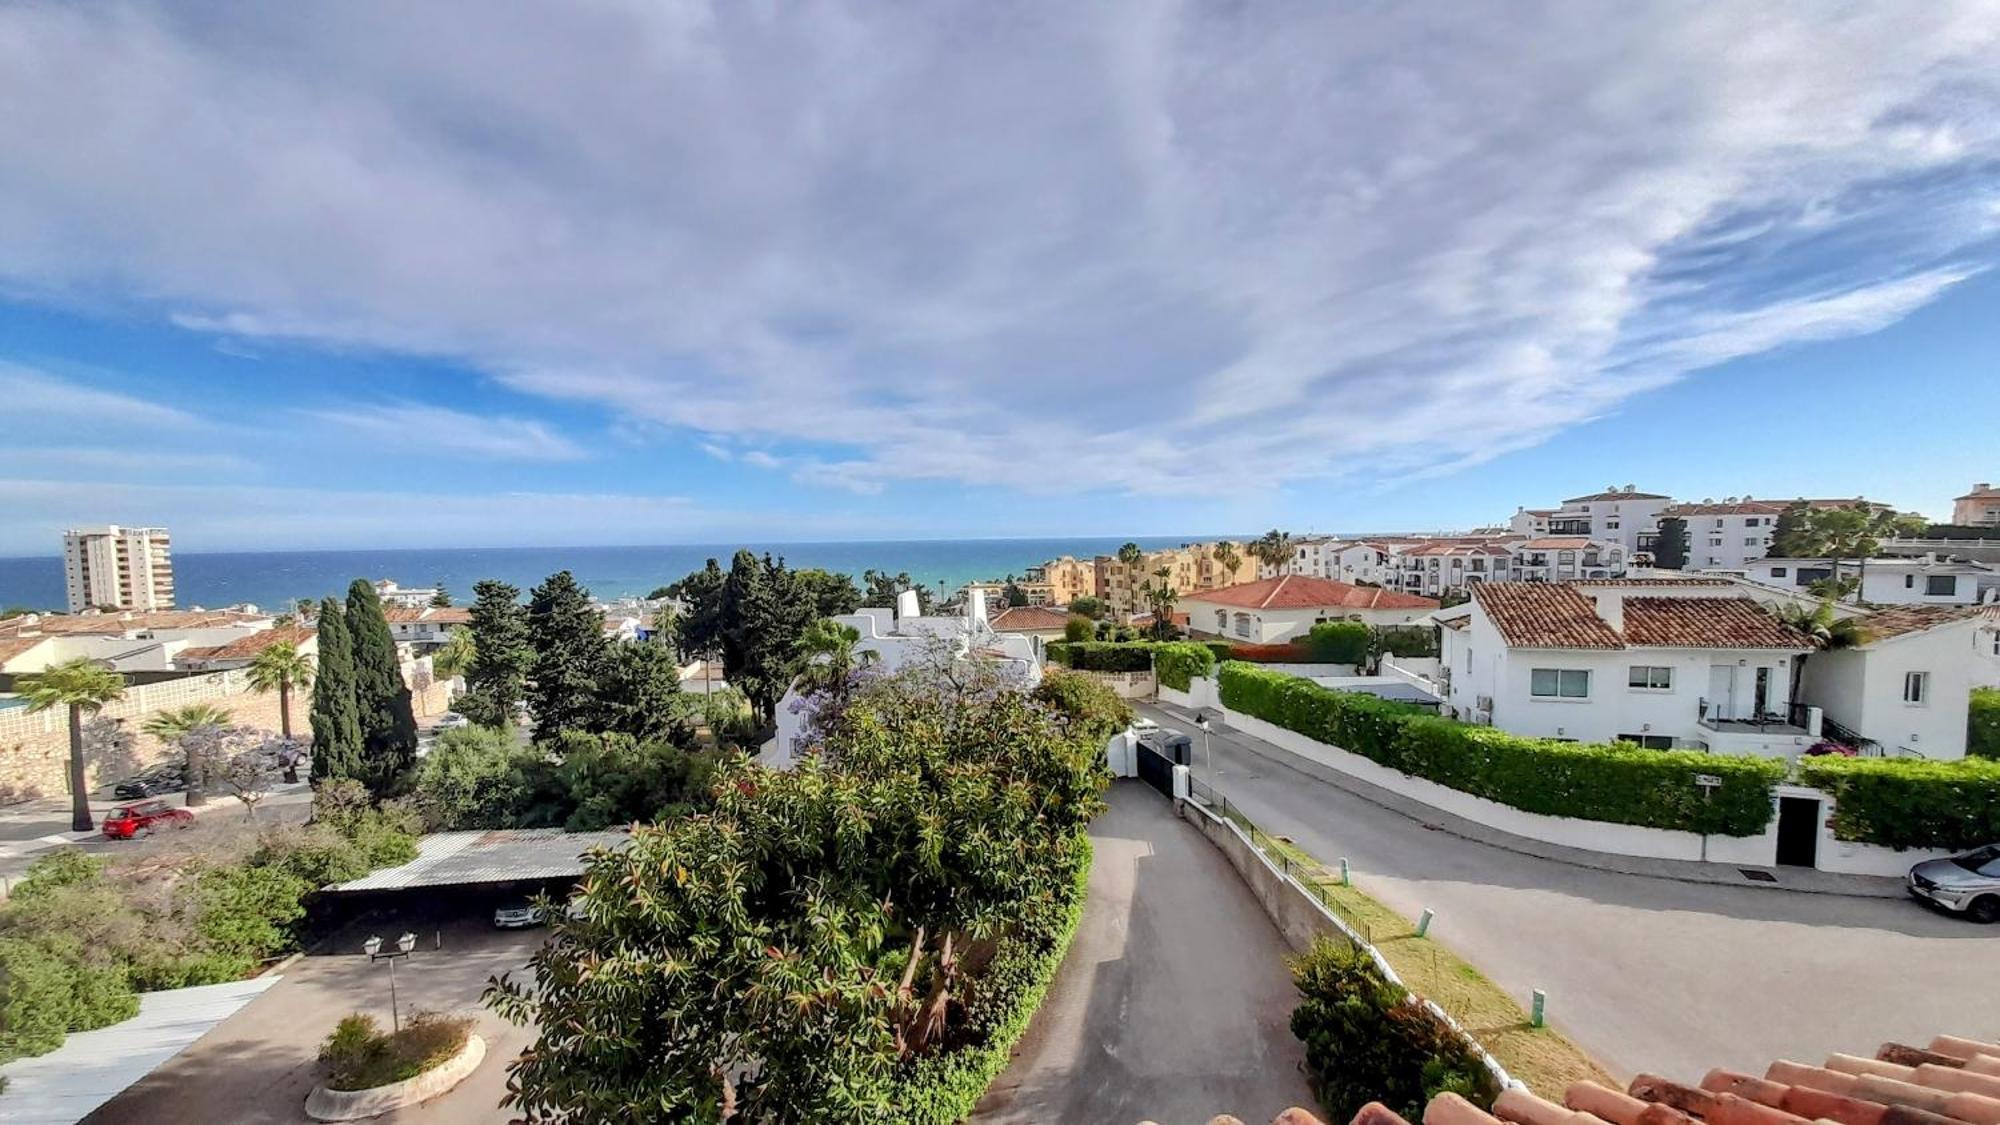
1176	662
1982	727
1179	663
943	1088
1338	642
1405	640
1618	785
1908	803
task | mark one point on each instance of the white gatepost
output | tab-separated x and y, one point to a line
1181	791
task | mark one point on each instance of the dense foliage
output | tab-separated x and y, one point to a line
856	939
1403	640
1982	727
1091	708
80	935
1907	803
360	1056
755	615
388	724
480	777
1651	788
1338	642
1670	543
1366	1039
336	716
496	680
571	658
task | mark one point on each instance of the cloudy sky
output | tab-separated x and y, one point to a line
498	273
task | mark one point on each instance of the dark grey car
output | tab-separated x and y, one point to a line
1966	884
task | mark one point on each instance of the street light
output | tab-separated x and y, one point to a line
1207	754
373	948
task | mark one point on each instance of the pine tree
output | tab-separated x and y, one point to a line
637	695
1791	537
571	658
336	721
764	616
388	725
499	671
1670	547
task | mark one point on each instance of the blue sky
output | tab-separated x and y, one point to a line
363	276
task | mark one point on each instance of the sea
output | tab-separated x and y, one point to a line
275	579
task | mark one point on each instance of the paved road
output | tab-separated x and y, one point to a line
258	1066
27	833
1648	974
1174	1000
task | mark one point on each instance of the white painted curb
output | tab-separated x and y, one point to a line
352	1105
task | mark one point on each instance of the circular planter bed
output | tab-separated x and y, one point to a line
351	1105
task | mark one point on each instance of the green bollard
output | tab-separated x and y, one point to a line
1537	1016
1424	921
1345	881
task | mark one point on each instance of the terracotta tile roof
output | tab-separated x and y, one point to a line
1669	582
1029	619
1616	496
1544	615
116	624
1736	508
1707	623
1298	591
1902	620
247	647
1987	493
11	647
409	615
1560	543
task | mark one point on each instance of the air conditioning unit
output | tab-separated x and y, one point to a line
1482	718
1484	703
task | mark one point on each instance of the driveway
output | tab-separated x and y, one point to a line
1174	1000
258	1066
1648	974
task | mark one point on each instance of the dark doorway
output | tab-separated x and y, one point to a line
1798	831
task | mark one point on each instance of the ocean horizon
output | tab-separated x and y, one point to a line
273	579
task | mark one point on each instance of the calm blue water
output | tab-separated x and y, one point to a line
272	579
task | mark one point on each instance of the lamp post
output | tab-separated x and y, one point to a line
404	946
1207	754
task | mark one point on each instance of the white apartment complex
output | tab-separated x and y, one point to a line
113	567
1925	580
1726	535
1624	516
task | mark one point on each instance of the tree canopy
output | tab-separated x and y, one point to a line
336	718
1670	546
381	699
571	658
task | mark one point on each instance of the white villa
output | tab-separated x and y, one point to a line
1926	580
902	636
1662	663
1907	688
1276	610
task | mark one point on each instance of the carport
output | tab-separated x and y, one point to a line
459	872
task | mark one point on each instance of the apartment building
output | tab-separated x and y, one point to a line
1068	579
1624	516
1978	508
113	567
1924	580
1189	568
1727	534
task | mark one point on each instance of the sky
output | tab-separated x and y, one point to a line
494	273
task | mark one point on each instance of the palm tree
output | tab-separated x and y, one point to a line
174	727
1228	558
280	668
81	685
456	654
828	649
1273	549
1160	598
1825	630
1130	554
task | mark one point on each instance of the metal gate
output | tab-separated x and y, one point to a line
1156	769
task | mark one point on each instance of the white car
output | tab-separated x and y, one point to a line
519	916
452	720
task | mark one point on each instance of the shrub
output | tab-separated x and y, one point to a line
1338	642
1217	649
1178	663
1906	803
1404	640
1982	726
1087	704
359	1057
37	1000
1079	629
1102	656
1650	788
1366	1040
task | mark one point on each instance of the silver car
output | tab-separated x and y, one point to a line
517	916
1966	884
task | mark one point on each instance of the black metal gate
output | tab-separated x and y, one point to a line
1156	769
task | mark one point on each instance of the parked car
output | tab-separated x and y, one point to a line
168	777
1966	884
452	720
127	821
517	916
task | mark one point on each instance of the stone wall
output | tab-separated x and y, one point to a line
34	748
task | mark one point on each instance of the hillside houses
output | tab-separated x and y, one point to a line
1285	608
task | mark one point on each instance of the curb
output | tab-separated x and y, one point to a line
352	1105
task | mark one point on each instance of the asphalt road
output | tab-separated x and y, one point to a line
1648	974
1174	1000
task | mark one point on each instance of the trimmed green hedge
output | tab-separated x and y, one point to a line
1405	640
1338	642
1982	726
942	1089
1176	662
1907	803
1618	785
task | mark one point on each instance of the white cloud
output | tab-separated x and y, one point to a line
762	460
35	401
419	427
134	461
1164	247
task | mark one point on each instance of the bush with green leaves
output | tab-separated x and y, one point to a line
358	1055
479	778
1176	662
1338	642
1908	803
1079	629
1618	785
1982	725
1404	640
1091	708
1367	1040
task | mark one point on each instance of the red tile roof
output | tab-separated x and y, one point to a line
1902	620
117	624
1560	543
1668	581
11	647
446	615
1707	623
1616	496
247	647
1986	493
1029	619
1730	508
1299	591
1544	615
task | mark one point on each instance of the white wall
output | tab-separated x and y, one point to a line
1863	688
1276	626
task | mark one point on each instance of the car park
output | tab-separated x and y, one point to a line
1967	884
168	777
517	916
141	819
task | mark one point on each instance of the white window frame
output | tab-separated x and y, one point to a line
1916	689
1564	677
1652	677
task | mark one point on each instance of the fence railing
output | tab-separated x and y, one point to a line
1311	876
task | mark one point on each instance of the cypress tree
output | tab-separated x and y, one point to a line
388	724
336	721
571	658
1670	547
499	671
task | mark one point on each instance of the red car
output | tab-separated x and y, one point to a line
128	821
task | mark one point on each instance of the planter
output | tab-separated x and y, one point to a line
351	1105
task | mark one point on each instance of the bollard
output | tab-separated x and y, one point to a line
1424	921
1537	1015
1345	881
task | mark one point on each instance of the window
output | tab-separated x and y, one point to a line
1649	741
1940	585
1752	541
1559	683
1916	686
1651	677
1222	621
1909	581
1242	624
1777	572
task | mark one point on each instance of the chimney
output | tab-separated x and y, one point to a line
1611	606
975	606
1982	486
907	605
